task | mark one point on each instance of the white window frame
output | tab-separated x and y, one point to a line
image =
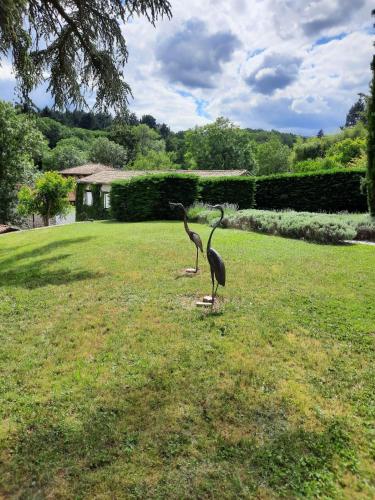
88	200
106	201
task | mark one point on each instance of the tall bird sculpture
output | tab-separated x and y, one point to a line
194	237
217	265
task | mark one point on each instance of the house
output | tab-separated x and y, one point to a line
82	171
96	187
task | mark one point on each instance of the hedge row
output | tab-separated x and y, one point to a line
237	190
147	197
329	191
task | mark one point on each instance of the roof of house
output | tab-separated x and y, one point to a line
87	169
109	176
4	228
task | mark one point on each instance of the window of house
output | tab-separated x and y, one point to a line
106	201
88	198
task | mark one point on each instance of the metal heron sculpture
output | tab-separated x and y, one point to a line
194	237
217	265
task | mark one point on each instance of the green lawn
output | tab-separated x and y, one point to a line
114	385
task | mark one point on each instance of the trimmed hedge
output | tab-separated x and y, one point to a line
329	191
237	190
147	197
96	211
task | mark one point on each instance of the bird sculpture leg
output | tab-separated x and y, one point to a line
213	288
196	262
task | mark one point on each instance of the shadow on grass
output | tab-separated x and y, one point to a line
37	272
42	250
290	463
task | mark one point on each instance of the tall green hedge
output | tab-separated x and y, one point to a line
147	197
237	190
329	191
96	211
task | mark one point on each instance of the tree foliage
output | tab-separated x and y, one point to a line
272	157
78	44
148	139
68	152
370	176
108	152
153	160
48	198
219	146
21	145
347	150
357	112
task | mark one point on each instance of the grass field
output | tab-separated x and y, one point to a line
114	385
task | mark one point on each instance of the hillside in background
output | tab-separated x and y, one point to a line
129	142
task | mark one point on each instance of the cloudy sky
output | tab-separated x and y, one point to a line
293	65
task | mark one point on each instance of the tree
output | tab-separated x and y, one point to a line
126	136
154	160
320	134
148	139
273	157
370	174
219	146
52	130
21	145
48	198
108	152
74	45
357	112
68	152
347	150
164	131
149	120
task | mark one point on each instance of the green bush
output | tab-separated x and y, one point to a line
347	150
202	212
316	165
147	197
321	228
326	191
237	190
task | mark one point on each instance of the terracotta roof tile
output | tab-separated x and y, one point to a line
109	176
87	169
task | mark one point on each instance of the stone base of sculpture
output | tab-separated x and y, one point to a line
191	270
207	302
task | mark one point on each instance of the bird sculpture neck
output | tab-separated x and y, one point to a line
215	226
185	221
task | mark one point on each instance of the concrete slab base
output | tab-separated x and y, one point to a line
190	270
203	304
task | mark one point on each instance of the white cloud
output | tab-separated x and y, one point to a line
319	50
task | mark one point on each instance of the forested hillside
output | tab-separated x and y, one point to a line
132	143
